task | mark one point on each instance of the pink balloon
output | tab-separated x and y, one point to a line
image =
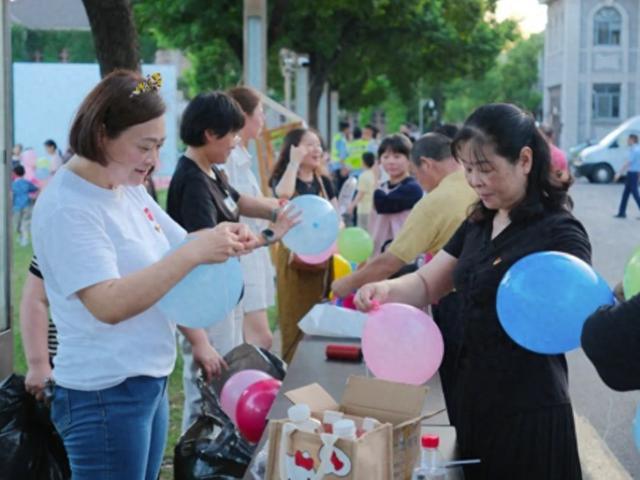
253	407
234	387
319	257
402	344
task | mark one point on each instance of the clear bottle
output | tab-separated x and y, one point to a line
300	416
345	429
431	462
329	418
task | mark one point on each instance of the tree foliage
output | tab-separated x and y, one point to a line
361	47
513	79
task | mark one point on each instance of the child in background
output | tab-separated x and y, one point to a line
21	188
395	198
366	185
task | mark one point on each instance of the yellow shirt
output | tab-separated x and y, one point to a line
435	218
366	184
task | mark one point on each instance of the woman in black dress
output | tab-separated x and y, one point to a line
512	406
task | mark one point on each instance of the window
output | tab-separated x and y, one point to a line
606	100
607	24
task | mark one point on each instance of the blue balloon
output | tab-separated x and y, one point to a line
545	298
636	428
205	296
318	228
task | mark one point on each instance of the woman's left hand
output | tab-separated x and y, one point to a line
209	359
287	218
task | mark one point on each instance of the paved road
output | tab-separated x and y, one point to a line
604	417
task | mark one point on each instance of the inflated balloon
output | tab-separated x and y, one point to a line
402	344
341	267
636	428
253	406
318	227
205	296
544	299
320	257
631	278
355	244
234	387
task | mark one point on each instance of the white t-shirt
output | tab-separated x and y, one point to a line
83	235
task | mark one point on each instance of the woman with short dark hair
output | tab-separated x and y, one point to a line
512	406
200	197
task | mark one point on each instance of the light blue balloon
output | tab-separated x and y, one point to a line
545	298
205	296
636	428
318	228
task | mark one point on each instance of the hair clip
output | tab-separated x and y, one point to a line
152	83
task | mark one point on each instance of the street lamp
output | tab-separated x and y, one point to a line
288	65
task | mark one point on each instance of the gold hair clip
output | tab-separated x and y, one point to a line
152	83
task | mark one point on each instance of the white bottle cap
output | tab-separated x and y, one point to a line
299	413
345	428
369	424
331	416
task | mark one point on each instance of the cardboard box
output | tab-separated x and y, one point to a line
389	402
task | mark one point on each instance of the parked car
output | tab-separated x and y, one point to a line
600	162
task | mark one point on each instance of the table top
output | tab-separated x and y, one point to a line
310	365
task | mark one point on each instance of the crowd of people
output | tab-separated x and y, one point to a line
449	213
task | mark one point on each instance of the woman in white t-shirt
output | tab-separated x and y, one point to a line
258	272
101	243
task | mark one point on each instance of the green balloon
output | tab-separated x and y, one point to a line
355	244
631	279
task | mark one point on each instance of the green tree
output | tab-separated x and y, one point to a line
513	79
349	42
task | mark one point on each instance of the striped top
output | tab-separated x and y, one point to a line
52	336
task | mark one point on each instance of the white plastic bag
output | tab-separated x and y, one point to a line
329	320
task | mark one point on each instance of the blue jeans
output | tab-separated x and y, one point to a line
115	433
630	188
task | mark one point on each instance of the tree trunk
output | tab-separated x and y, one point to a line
114	34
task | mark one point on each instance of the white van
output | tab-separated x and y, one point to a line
600	162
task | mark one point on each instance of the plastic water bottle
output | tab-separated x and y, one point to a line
345	429
300	416
430	467
329	418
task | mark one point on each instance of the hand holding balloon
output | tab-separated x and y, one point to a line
288	217
371	295
216	245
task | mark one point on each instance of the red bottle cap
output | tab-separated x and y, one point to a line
430	441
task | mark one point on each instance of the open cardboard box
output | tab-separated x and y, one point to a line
389	402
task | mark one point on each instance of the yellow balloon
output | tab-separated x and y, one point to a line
341	267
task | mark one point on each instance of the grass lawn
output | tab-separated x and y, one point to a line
21	259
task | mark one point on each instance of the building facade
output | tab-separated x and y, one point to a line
591	72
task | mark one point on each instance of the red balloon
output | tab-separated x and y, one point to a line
253	406
349	301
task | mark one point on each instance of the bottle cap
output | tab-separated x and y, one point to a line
331	416
430	441
344	428
299	413
369	424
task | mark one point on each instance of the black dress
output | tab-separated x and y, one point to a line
512	407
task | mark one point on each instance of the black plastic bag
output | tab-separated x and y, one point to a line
245	357
211	448
30	447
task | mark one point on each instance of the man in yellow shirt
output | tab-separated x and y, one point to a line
432	221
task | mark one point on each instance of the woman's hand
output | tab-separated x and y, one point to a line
210	361
35	380
216	245
287	218
297	154
371	295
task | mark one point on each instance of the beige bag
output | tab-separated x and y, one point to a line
298	455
